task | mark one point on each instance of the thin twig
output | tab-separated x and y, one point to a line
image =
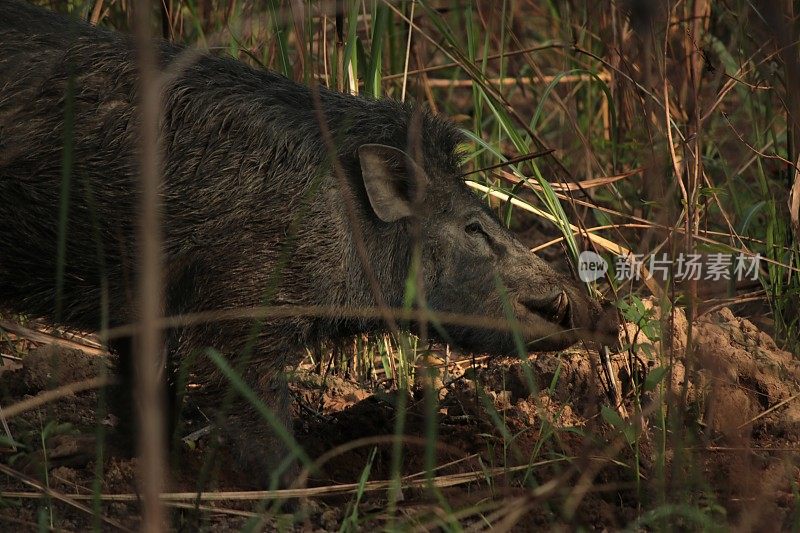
571	78
408	53
46	338
765	413
69	500
755	150
54	394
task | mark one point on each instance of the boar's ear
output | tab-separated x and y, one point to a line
390	177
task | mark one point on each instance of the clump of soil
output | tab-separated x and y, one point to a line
750	381
726	412
49	366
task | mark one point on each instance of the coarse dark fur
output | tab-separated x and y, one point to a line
253	213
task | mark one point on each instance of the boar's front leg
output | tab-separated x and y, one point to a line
258	440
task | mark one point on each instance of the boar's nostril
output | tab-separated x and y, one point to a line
555	309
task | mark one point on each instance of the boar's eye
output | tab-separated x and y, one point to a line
476	230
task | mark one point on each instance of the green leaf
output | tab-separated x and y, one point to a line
654	377
613	419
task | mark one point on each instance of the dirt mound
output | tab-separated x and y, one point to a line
751	382
49	366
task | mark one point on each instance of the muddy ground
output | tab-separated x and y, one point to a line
531	444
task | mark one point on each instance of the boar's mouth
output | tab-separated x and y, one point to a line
554	309
554	320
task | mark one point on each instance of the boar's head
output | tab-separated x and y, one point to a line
470	263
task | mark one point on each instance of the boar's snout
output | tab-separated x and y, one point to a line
561	314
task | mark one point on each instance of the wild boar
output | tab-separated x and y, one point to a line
262	205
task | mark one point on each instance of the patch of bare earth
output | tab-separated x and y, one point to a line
509	436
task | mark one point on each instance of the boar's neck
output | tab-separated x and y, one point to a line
344	281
